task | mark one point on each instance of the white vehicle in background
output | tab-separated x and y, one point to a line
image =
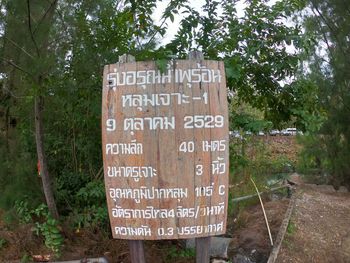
274	132
235	134
261	133
289	132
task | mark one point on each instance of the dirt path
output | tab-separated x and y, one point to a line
319	231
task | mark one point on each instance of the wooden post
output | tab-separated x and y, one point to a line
126	58
202	243
195	55
137	252
202	249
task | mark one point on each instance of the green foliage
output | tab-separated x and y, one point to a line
162	64
327	24
244	117
25	258
91	209
3	243
230	205
52	236
23	212
180	253
246	122
259	69
251	156
291	228
310	117
45	224
310	159
18	176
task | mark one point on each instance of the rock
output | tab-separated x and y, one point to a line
241	259
218	246
326	188
342	189
276	196
322	188
312	186
346	246
295	179
219	261
87	260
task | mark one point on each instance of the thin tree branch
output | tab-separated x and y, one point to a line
155	33
161	25
325	60
16	66
346	6
21	48
31	31
52	8
52	4
332	30
4	87
139	32
324	36
60	15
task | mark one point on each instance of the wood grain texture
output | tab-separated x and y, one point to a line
137	252
176	158
202	250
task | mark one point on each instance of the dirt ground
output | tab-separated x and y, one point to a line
250	237
320	231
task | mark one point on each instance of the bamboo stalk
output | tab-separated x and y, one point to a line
263	209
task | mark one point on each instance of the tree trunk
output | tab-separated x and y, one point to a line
45	176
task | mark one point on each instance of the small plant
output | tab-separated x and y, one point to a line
291	228
287	243
3	243
92	209
230	204
48	229
176	253
23	212
45	224
25	258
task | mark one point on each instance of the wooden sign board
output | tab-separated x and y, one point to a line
165	149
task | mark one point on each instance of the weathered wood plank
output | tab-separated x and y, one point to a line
137	253
202	249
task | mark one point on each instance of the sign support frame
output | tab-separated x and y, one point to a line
137	252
